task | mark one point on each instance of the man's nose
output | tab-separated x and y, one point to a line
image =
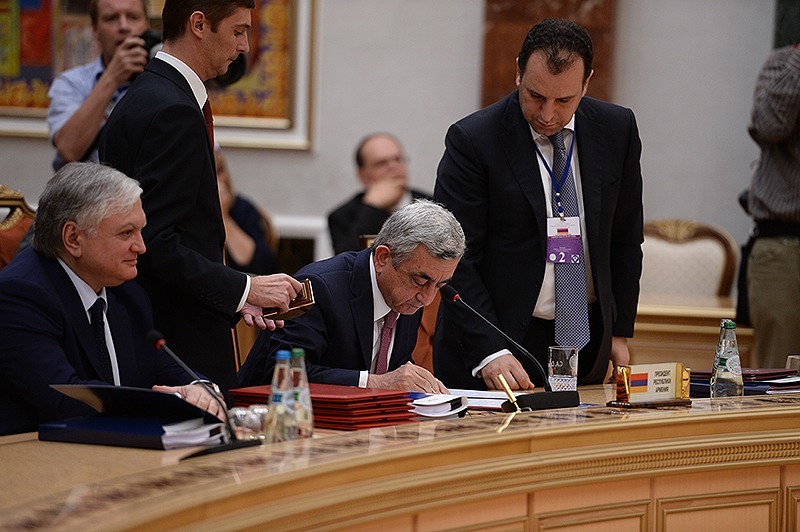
548	111
427	293
138	244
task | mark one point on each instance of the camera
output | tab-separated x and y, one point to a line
152	42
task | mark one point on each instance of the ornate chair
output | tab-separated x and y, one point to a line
18	218
685	257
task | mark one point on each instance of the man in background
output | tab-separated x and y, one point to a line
382	168
773	276
69	313
161	134
363	326
547	185
82	98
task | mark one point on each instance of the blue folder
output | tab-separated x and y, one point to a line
126	416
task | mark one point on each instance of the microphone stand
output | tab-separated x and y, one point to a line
532	401
158	341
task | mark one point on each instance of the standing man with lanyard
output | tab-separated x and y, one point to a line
162	134
548	188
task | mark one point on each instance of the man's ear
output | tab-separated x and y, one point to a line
72	239
586	83
381	255
197	22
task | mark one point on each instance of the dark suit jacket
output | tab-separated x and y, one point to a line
157	135
355	218
337	332
47	339
489	178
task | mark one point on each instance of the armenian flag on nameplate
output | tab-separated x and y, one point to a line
652	382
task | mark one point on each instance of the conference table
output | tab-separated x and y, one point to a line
731	464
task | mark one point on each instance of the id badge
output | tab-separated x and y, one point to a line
564	240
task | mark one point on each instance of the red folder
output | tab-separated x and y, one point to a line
343	407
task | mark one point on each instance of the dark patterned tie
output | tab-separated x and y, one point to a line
382	365
96	312
209	120
572	310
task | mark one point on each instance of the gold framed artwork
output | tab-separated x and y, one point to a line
268	107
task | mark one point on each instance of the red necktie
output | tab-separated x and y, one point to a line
209	120
382	365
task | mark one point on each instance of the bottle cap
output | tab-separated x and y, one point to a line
728	324
282	354
298	352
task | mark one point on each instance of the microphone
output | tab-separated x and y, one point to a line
157	339
533	401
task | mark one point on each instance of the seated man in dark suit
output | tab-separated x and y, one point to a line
68	311
383	170
350	335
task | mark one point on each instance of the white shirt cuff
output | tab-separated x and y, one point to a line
246	293
488	359
362	379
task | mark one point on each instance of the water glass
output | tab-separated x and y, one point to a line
249	423
562	368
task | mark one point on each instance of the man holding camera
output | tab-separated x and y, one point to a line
82	98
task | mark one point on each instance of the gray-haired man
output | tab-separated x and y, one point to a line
350	335
68	311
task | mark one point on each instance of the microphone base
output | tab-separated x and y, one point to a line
543	401
238	444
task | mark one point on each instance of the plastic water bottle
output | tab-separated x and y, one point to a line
303	412
726	376
280	423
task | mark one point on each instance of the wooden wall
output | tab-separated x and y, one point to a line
508	21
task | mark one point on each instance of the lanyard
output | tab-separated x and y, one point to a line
557	184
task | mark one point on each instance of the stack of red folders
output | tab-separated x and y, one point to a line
343	407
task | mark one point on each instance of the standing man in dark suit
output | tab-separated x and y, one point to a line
73	287
382	168
498	177
359	295
158	135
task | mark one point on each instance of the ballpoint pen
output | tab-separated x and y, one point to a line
511	397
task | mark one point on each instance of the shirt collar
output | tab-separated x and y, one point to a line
97	68
379	306
539	138
196	84
85	292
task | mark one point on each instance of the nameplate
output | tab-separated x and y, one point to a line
645	383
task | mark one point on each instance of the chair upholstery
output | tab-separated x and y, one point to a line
16	222
686	257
